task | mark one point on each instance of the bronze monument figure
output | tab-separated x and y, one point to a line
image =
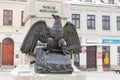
61	42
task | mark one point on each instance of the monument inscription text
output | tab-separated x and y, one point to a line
48	9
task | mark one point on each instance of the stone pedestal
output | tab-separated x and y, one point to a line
34	76
72	76
26	72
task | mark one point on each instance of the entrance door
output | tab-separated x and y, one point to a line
7	52
106	56
91	57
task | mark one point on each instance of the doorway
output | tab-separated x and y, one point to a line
91	57
7	52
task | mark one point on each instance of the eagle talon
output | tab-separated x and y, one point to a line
47	51
63	52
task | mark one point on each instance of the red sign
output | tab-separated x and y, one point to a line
84	51
99	55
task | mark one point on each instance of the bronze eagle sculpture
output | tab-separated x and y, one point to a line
59	39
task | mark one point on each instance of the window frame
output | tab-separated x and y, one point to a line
118	55
8	14
105	22
22	23
76	20
106	53
118	23
91	21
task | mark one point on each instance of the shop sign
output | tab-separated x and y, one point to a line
93	40
110	41
99	55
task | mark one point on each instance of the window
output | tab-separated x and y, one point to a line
88	0
118	55
8	41
106	22
91	21
7	17
22	23
76	20
118	22
106	54
110	1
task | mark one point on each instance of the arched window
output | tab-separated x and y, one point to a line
7	41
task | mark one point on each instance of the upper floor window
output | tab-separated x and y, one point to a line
76	20
88	0
91	21
22	23
106	22
110	1
118	22
7	17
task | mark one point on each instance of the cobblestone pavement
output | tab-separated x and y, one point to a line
91	75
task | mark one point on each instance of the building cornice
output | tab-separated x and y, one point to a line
94	4
98	5
13	2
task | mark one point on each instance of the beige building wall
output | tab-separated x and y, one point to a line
15	32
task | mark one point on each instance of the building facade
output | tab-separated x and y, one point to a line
97	23
11	31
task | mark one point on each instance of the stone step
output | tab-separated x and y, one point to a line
7	68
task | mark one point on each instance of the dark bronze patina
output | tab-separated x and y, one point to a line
60	40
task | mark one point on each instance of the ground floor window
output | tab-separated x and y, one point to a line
118	55
106	56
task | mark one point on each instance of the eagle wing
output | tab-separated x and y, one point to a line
38	31
71	38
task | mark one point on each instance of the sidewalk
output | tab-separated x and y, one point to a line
106	75
90	75
5	75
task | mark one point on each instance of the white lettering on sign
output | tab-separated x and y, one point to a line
49	9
